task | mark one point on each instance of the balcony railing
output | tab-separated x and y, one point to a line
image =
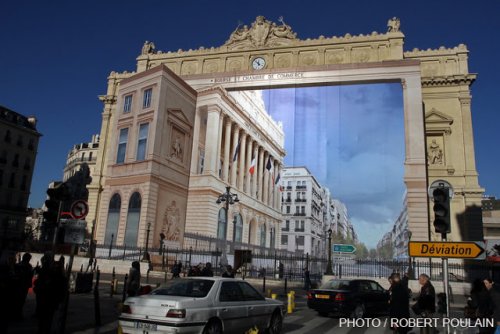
299	229
300	200
301	187
299	214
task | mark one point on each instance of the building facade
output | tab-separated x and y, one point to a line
79	154
19	144
491	217
436	99
400	233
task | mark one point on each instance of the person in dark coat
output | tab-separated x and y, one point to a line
480	304
134	279
495	298
307	280
399	303
24	272
426	301
207	270
8	280
50	288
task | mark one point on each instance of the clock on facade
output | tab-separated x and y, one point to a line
258	63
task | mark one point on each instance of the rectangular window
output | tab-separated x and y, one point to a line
122	146
23	182
127	104
142	141
284	239
12	180
288	209
146	102
300	240
201	162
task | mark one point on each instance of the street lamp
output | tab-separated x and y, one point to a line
410	267
329	265
228	198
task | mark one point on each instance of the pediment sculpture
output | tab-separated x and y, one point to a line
262	33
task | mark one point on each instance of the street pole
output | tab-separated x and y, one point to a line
228	198
329	264
446	282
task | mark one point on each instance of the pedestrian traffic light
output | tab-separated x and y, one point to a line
441	210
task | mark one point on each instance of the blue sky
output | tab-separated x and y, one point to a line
56	55
351	138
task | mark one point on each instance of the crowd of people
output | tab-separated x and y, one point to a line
50	287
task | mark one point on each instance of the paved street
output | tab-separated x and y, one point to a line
81	318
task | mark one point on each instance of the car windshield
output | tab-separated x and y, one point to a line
197	288
336	285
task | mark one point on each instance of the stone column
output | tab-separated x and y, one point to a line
275	186
227	148
219	147
266	180
254	176
277	191
234	164
259	174
241	159
246	188
211	139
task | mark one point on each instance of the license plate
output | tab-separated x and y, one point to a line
322	296
145	325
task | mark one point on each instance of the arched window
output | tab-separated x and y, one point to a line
222	225
238	231
113	219
133	216
263	235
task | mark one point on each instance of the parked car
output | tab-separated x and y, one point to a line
202	305
352	298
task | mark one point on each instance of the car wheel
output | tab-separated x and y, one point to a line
213	327
359	311
323	314
276	324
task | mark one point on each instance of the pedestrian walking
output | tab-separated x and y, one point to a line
50	288
8	280
134	279
399	303
24	273
207	270
307	280
495	299
426	301
228	271
479	305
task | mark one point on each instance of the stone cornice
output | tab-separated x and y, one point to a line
452	80
441	51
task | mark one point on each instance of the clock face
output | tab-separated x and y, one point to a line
258	63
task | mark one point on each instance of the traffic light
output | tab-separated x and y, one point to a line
56	195
441	209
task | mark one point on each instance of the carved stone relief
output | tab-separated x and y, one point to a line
211	66
283	60
234	64
361	55
171	223
308	58
435	150
177	148
189	68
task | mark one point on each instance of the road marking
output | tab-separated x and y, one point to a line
103	329
309	325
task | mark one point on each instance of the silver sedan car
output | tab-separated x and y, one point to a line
202	305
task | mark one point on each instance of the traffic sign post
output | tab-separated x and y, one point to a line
79	209
442	249
344	248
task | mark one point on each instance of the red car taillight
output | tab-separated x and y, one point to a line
176	313
126	309
309	295
339	297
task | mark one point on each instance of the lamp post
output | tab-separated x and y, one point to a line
228	198
329	264
410	267
146	253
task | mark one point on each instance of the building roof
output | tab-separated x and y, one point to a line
14	118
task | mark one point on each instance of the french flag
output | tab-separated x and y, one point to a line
236	151
251	170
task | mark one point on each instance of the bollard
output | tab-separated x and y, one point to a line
289	306
293	299
274	296
264	284
97	305
269	293
113	276
124	293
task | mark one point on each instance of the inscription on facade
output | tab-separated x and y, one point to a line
254	77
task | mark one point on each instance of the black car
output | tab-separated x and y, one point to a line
352	298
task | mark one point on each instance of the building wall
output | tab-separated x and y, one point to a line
18	148
79	154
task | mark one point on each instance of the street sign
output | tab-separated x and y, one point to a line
343	248
79	209
74	231
457	250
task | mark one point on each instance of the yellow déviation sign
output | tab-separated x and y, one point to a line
459	250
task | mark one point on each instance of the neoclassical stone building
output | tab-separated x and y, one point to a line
437	114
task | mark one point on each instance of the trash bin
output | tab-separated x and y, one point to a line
83	282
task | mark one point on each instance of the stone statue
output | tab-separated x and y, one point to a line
283	31
148	48
393	24
177	148
239	34
435	155
171	222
